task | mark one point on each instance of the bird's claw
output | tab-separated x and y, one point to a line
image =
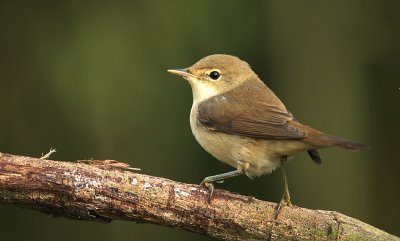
282	203
210	188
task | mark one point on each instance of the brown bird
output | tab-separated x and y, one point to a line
240	121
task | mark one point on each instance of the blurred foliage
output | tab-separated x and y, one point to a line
90	80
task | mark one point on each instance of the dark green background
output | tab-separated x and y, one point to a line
91	81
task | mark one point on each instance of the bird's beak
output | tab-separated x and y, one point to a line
181	72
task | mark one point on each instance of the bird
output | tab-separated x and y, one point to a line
241	122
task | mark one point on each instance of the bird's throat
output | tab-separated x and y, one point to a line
202	90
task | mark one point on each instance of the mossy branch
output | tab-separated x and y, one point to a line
107	190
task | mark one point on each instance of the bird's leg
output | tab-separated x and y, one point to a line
208	181
286	196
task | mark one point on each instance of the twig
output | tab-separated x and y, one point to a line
47	156
106	191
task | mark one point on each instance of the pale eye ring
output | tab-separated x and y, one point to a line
214	75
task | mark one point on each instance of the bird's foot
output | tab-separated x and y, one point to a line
208	181
210	186
285	201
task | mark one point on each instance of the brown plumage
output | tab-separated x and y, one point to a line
243	112
240	121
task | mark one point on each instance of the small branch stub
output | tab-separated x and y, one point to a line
48	154
108	190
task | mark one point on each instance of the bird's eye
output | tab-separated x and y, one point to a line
214	75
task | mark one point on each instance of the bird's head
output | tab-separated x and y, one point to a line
215	74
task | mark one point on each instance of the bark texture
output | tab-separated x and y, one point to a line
107	190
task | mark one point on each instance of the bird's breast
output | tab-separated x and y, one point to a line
220	145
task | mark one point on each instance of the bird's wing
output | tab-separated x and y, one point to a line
250	118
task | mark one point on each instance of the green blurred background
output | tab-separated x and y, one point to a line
90	80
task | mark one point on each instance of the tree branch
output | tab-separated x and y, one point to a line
106	190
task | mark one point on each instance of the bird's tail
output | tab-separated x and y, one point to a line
324	140
319	139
